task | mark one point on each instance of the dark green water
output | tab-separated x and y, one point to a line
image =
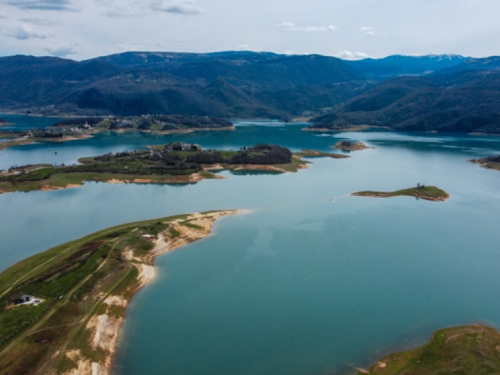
312	281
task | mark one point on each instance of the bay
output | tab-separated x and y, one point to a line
312	280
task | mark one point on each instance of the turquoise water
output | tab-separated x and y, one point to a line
312	281
20	122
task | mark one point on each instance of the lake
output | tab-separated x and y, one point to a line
312	280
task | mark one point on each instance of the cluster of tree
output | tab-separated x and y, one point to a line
138	162
492	159
49	135
116	125
263	154
207	157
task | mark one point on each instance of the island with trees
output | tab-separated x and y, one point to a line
421	191
83	289
490	162
350	146
170	163
471	350
85	127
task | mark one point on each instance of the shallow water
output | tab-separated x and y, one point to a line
312	281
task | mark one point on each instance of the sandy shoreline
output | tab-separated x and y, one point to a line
105	328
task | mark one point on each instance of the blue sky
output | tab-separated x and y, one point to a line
345	28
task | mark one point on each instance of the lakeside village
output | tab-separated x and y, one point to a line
83	127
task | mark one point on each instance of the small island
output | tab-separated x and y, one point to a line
429	193
80	292
491	162
85	127
467	350
170	163
350	146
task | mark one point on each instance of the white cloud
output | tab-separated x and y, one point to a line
178	7
38	21
63	50
286	24
142	45
307	29
244	47
2	15
348	55
121	13
25	32
369	31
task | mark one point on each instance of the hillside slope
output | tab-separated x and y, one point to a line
230	84
467	101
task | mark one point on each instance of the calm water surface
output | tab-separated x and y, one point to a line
312	281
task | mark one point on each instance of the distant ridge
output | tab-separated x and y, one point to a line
397	65
225	84
432	92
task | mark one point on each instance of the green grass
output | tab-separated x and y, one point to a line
208	175
469	350
428	193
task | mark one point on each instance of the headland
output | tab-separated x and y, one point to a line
85	287
491	162
470	350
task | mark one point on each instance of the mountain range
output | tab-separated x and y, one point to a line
433	92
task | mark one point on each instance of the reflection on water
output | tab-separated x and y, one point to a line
250	172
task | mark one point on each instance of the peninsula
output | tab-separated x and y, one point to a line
471	350
491	162
83	288
85	127
429	193
170	163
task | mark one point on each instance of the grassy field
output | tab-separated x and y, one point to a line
74	280
469	350
431	193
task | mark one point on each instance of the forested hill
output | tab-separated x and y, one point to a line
231	84
466	101
399	65
434	92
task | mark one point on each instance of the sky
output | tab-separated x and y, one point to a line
350	29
